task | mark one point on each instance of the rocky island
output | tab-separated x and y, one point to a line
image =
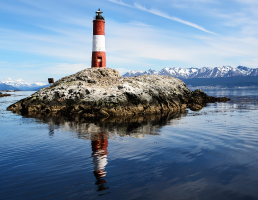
4	95
102	92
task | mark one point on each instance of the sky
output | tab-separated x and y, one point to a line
53	38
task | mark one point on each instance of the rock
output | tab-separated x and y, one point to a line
99	92
4	95
199	99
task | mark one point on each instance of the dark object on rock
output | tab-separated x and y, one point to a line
4	95
103	92
51	80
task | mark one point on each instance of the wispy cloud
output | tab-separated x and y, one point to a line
162	14
68	44
146	47
65	68
120	3
40	71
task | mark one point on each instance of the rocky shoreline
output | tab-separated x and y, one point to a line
102	92
4	95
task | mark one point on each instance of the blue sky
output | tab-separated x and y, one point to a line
53	38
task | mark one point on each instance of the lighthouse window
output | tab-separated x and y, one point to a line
99	59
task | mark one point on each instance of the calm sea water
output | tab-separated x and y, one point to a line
210	154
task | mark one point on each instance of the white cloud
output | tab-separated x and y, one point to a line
21	9
41	71
77	21
120	3
4	64
137	23
67	44
134	46
65	68
162	14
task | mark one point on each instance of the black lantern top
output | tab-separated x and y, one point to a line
99	15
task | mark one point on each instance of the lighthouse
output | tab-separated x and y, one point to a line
98	43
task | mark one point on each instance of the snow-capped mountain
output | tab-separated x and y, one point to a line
22	85
3	86
205	72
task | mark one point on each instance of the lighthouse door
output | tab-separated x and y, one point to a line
99	62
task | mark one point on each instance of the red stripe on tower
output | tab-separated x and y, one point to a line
98	44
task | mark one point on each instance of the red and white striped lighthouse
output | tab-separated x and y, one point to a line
98	44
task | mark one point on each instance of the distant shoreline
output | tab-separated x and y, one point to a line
228	82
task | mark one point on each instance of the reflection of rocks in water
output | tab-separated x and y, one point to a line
100	130
137	126
99	145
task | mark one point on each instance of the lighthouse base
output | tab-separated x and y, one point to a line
98	59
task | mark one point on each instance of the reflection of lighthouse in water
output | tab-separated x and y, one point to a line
99	153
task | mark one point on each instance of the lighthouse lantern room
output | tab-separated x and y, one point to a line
98	43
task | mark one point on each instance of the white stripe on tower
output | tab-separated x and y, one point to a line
98	43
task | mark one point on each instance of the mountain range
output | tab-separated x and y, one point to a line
204	72
224	76
205	76
20	84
